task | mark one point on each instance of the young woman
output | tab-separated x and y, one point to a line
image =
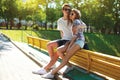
76	43
64	26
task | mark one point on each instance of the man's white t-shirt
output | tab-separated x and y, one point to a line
66	28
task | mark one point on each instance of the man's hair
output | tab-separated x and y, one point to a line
65	4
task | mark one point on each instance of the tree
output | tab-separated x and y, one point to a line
10	11
30	10
98	13
116	16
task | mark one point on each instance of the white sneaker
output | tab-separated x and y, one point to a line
68	69
42	71
48	76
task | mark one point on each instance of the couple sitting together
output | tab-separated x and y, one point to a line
71	28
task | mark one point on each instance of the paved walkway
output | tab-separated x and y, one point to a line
39	57
14	65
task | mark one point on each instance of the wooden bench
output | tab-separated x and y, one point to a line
101	64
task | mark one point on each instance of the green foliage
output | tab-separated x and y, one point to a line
107	44
99	13
9	9
51	15
102	14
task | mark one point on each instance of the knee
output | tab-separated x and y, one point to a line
51	44
65	60
67	51
59	52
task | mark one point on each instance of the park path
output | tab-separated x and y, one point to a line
14	65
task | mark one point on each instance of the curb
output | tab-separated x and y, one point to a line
29	55
57	77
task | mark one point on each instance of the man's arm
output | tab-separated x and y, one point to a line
61	34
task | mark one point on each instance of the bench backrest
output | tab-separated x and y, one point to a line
101	64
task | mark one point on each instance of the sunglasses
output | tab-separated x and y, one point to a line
65	9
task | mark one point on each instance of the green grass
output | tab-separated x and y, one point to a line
107	44
19	35
48	34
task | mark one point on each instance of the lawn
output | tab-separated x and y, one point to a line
107	44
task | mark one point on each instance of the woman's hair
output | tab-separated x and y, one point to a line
77	12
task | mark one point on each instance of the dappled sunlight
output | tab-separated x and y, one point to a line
93	43
98	43
19	35
107	45
112	43
48	34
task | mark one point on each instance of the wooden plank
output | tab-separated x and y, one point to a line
104	74
44	44
106	63
81	54
36	43
82	65
106	67
79	62
76	58
112	59
30	41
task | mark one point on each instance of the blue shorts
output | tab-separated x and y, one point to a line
80	43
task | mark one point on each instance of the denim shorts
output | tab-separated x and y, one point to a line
80	43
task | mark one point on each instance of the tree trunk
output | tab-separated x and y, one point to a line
45	25
117	28
51	26
6	23
19	24
11	23
103	30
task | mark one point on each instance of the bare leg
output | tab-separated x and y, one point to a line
61	50
54	56
51	46
68	55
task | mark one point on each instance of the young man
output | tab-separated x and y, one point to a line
64	26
